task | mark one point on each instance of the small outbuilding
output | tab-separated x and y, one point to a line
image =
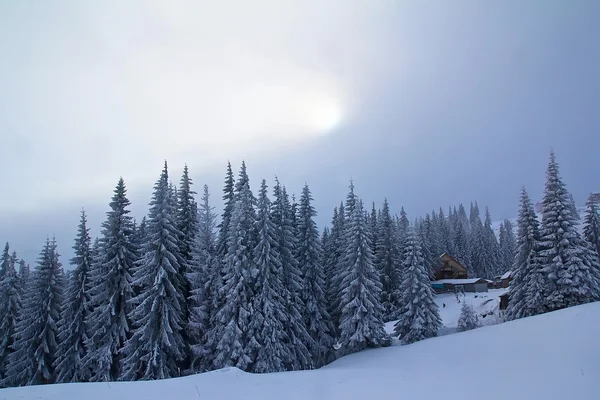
506	278
473	285
504	301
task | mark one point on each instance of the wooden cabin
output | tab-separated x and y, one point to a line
450	268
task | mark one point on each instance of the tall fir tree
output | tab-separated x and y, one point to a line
527	289
387	260
202	276
10	306
591	223
361	311
419	318
309	254
186	217
109	323
24	273
157	346
75	311
300	340
216	281
334	253
564	254
36	333
492	247
267	332
233	318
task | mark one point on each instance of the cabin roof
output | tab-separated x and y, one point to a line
506	275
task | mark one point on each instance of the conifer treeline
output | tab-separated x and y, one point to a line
263	290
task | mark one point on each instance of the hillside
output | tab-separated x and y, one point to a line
552	356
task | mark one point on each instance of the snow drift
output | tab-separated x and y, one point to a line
551	356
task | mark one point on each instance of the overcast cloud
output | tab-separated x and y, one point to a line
438	102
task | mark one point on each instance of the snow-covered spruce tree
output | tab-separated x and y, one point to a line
437	248
361	322
528	287
111	290
216	278
36	333
402	226
24	273
419	318
230	334
508	245
461	243
591	224
334	253
300	340
563	251
157	346
201	284
468	319
387	260
10	306
186	218
75	310
492	247
267	331
310	263
373	223
424	234
445	233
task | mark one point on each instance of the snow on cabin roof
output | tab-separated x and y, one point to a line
506	275
459	281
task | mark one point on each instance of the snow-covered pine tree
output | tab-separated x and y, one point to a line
509	248
36	332
267	333
591	223
526	291
424	234
387	261
437	249
233	318
461	243
310	263
157	346
10	306
493	264
186	218
564	253
216	278
202	276
445	233
573	207
23	275
402	226
419	318
334	253
461	217
468	319
293	281
361	321
75	311
373	223
111	290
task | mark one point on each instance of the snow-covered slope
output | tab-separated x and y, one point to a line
552	356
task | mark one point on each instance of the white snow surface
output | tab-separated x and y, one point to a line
551	356
458	281
506	275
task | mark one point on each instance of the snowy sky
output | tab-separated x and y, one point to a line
427	103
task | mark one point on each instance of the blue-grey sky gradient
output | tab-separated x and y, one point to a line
441	102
